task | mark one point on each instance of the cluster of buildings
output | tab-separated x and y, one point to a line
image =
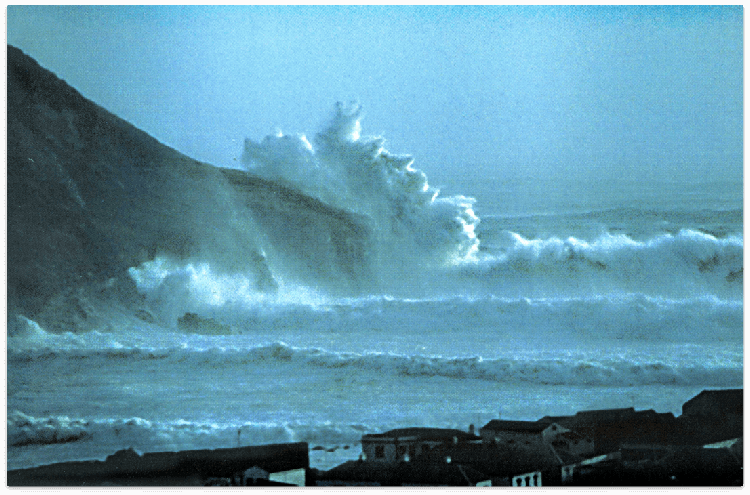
611	447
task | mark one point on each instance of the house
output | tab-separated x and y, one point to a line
533	453
608	429
713	416
405	444
415	456
714	403
404	456
499	432
518	464
574	443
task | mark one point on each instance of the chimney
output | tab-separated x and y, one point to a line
471	429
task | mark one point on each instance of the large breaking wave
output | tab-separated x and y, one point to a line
384	229
420	244
356	173
404	240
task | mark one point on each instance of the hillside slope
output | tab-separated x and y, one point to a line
90	196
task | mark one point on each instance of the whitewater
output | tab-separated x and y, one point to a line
454	311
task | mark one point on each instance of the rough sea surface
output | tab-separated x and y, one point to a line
516	299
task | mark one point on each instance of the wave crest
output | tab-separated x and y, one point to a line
672	265
356	173
566	369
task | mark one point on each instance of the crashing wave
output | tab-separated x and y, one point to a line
674	265
354	172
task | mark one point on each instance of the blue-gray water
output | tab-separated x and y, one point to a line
536	297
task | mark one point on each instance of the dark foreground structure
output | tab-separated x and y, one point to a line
264	465
612	447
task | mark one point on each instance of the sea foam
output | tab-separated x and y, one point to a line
682	265
356	173
545	368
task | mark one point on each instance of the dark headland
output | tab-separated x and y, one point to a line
90	195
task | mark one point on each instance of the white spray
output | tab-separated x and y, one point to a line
355	173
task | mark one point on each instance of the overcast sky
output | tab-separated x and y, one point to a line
591	92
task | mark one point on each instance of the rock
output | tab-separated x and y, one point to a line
144	315
194	323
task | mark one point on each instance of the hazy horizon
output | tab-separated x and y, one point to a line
495	92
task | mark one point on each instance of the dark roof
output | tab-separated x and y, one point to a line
501	461
414	473
696	466
555	419
517	426
439	434
574	435
603	415
729	400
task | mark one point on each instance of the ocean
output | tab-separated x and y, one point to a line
488	298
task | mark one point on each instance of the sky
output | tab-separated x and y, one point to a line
487	93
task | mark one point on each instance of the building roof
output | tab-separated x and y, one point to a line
436	434
728	400
516	426
697	459
405	473
501	461
604	415
574	435
561	420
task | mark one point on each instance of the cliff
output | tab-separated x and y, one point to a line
90	195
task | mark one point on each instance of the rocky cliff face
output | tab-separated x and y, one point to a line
90	196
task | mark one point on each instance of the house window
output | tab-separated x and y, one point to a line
379	451
401	450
